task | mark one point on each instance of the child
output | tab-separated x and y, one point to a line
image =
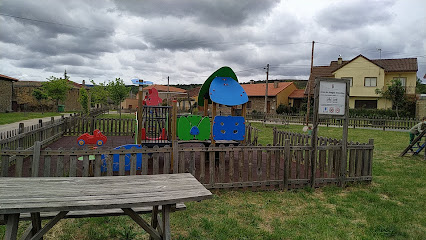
417	129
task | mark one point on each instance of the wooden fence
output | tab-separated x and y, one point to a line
355	122
46	132
254	167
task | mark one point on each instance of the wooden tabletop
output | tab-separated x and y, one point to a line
19	195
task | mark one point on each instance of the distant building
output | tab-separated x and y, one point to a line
164	92
6	92
278	93
367	75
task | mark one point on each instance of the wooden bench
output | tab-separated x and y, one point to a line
93	213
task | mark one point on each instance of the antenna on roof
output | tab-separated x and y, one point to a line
380	52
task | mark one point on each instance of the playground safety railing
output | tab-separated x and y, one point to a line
251	167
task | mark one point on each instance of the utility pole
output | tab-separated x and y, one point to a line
168	90
309	85
380	53
266	88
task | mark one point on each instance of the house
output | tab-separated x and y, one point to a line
24	101
6	92
164	92
296	98
367	75
278	93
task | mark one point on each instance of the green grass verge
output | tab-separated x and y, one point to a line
391	207
6	118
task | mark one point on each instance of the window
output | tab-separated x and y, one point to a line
370	104
402	79
350	80
370	81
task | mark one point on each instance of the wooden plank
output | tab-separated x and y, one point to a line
221	165
133	157
4	166
358	166
152	232
287	162
370	162
49	225
166	167
231	165
145	165
307	162
182	161
240	165
202	166
121	164
98	165
47	164
85	172
268	164
259	164
110	164
165	211
36	223
155	163
192	163
11	227
73	166
36	159
211	165
19	162
250	165
351	162
60	165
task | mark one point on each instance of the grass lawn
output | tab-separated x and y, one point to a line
393	206
6	118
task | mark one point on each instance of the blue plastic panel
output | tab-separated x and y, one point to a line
228	128
227	91
116	159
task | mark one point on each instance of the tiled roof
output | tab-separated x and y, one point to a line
254	90
389	65
162	88
193	92
4	77
298	93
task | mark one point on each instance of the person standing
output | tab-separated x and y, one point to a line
417	129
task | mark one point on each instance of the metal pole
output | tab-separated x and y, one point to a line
168	89
309	85
266	89
140	106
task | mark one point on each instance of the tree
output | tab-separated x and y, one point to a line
420	87
40	95
117	92
395	92
57	88
83	99
99	93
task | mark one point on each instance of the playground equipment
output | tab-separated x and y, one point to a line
116	159
222	87
97	138
193	127
152	98
416	145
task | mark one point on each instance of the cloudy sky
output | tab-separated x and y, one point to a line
189	39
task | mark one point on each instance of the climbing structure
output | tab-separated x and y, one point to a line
417	145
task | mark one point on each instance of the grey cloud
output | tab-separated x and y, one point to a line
347	15
219	12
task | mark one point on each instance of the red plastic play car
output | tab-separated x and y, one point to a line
97	138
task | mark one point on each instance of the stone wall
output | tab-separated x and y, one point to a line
6	96
421	107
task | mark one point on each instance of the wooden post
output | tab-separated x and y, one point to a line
40	125
314	140
36	159
244	115
214	106
20	131
344	155
175	146
287	162
206	107
140	111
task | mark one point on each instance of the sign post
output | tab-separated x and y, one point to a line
331	101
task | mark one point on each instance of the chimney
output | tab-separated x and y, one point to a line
251	81
339	60
276	84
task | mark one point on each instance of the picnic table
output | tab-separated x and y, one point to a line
81	194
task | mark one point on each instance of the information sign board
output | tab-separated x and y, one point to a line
332	96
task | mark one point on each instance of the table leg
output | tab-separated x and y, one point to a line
12	221
165	210
36	222
154	219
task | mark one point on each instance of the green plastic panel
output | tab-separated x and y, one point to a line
204	127
184	126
